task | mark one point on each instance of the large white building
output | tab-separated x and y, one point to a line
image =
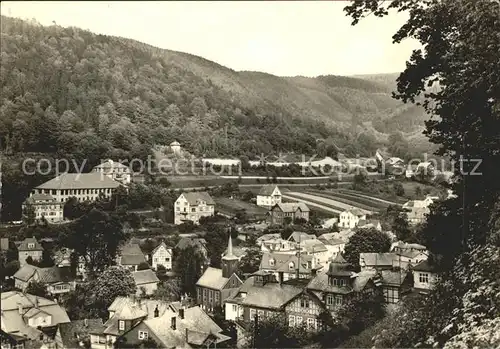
82	186
349	219
114	170
43	206
161	255
192	206
269	195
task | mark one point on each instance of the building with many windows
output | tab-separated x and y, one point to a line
191	206
216	285
42	206
268	196
288	212
29	247
82	186
114	170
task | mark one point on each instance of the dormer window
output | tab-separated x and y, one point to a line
271	262
291	265
121	325
31	245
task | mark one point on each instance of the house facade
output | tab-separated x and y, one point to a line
43	206
284	266
216	285
146	282
424	277
130	256
191	206
279	214
269	195
82	186
114	170
161	255
349	219
56	279
29	247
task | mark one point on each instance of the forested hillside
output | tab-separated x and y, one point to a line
76	93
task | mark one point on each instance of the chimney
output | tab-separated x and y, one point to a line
280	277
181	313
156	312
36	301
173	323
186	335
20	308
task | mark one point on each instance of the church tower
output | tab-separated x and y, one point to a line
229	261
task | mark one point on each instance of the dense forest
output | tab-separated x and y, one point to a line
76	94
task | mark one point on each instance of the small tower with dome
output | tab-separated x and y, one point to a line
175	147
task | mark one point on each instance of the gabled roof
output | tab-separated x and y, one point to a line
131	254
282	262
212	278
49	275
37	198
12	321
91	180
359	281
194	197
270	296
404	245
339	267
292	207
267	189
377	259
25	273
297	236
314	246
196	323
356	211
162	243
24	245
147	305
142	277
72	331
393	277
424	266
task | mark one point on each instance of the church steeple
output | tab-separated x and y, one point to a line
229	260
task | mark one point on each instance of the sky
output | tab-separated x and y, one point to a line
284	38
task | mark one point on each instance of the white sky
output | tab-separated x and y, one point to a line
284	38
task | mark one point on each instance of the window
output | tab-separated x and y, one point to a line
121	325
30	245
177	209
329	299
311	323
252	314
291	266
143	335
342	282
298	320
291	321
193	209
271	262
216	296
423	278
235	308
260	314
304	303
338	300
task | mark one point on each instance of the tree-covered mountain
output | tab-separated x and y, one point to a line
72	92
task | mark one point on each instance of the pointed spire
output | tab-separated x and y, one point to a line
229	253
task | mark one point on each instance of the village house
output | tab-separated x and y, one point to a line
114	170
370	223
317	250
394	283
279	214
169	325
417	210
146	282
391	260
29	321
42	206
191	206
56	279
424	277
425	168
161	255
340	284
286	266
333	244
401	246
130	256
268	196
262	296
349	219
76	334
216	285
277	244
29	247
82	186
